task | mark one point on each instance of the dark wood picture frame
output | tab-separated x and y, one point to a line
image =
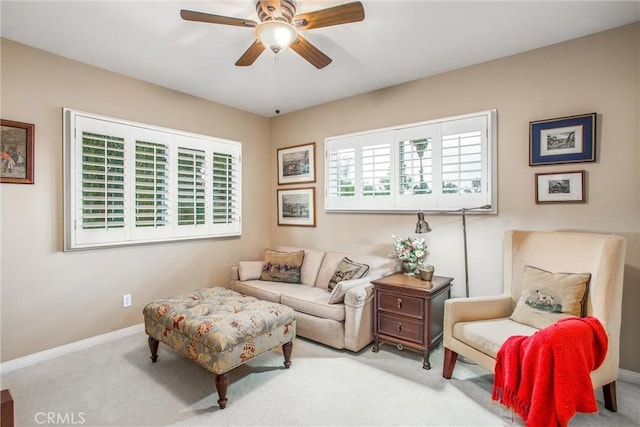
297	164
560	187
569	139
16	152
297	207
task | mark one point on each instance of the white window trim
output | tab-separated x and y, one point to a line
396	202
130	234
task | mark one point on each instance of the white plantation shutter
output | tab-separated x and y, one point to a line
376	170
103	173
191	186
152	184
226	188
129	183
342	172
442	164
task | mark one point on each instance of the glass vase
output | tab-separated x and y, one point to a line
409	268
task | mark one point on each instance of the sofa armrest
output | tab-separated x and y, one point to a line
359	292
234	274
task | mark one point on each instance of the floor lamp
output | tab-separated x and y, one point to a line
422	226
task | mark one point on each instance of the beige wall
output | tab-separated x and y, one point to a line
599	73
49	297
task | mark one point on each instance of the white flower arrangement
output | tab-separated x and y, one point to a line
411	249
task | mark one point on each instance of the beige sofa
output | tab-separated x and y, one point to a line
347	324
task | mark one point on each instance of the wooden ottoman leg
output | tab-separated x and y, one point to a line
286	349
222	381
153	346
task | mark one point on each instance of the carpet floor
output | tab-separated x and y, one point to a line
115	384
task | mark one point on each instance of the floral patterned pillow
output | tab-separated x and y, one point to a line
282	266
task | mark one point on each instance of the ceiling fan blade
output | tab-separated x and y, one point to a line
251	54
309	52
350	12
190	15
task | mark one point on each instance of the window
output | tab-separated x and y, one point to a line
130	183
442	164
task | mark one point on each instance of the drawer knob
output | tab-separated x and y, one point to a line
399	326
399	302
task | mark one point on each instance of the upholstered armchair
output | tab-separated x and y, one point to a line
476	327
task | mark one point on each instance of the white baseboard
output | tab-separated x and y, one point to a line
41	356
629	376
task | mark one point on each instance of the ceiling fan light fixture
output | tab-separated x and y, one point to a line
276	35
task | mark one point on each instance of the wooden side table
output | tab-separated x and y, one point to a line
409	312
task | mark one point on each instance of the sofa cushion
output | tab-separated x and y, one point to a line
548	297
314	301
488	336
347	270
264	290
282	266
250	270
312	261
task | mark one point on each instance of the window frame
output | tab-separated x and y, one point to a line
220	190
433	199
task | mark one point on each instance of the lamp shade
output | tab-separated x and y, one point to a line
422	226
276	35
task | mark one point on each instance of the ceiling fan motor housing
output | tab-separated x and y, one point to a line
286	13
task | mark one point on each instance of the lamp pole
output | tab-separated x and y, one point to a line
423	227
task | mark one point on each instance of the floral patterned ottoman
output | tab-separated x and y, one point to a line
220	329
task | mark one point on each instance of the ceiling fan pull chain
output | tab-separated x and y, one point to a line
277	97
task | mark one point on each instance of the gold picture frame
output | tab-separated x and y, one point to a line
297	207
16	152
297	164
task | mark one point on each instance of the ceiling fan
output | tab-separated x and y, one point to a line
279	25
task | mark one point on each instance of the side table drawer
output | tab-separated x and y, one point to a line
401	304
399	327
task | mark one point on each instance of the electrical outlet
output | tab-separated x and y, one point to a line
126	300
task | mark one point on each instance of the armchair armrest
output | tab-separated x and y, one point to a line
476	308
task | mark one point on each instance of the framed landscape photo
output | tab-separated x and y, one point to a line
297	207
16	152
563	187
564	140
297	165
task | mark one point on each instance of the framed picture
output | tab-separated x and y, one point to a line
297	207
564	140
297	164
16	152
563	187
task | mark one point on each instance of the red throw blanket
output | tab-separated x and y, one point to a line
545	377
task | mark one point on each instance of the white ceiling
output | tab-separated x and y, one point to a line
398	41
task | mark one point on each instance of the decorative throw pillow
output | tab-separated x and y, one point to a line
282	266
347	270
249	270
548	297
